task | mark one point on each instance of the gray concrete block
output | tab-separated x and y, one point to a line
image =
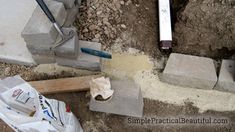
40	49
39	30
44	59
226	77
83	61
78	2
126	100
190	71
72	15
70	48
67	3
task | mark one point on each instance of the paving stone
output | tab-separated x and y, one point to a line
190	71
126	100
67	3
39	30
83	61
70	48
72	15
226	77
44	59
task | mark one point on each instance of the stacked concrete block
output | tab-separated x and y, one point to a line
78	2
39	30
40	34
226	81
72	15
68	3
84	61
70	48
44	59
126	100
190	71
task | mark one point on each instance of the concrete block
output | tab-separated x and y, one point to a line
190	71
226	77
67	3
72	15
70	48
40	49
44	59
78	2
83	61
126	100
39	30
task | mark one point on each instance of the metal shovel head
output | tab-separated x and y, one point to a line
66	37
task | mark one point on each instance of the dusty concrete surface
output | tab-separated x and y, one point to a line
11	26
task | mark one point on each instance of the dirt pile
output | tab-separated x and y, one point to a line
100	20
205	27
128	23
202	27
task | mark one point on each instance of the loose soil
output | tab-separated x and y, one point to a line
202	28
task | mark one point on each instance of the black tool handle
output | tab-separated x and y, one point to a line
46	10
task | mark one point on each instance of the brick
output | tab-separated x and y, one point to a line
70	48
226	77
83	61
190	71
126	100
67	3
44	59
72	15
39	30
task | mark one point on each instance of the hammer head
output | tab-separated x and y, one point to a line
68	33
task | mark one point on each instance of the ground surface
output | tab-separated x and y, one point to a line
203	28
133	23
101	122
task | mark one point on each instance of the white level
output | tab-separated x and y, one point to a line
165	20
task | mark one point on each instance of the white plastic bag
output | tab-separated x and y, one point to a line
24	109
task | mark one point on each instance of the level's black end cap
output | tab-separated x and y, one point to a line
166	46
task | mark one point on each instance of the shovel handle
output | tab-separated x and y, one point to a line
46	10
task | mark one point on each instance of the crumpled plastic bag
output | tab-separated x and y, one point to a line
101	86
26	110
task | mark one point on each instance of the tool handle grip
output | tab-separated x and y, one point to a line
96	53
45	9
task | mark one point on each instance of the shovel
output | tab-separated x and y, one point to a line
64	37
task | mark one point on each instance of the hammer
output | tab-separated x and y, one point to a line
64	37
